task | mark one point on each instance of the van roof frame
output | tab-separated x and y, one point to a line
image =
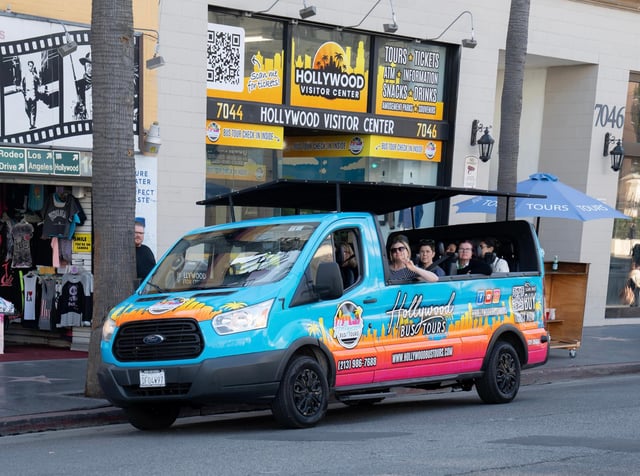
375	197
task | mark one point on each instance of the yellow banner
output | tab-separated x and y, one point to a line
245	135
364	146
405	148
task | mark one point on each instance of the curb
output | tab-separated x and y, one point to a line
541	375
109	415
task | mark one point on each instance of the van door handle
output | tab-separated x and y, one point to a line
370	301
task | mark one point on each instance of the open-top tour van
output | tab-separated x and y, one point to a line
257	312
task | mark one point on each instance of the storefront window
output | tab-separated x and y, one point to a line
625	247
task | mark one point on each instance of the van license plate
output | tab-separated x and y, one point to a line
152	378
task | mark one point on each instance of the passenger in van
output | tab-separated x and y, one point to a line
348	264
467	264
451	248
426	253
487	248
401	266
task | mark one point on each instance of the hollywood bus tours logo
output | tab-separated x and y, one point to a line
329	76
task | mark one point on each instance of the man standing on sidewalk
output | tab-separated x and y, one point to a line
145	260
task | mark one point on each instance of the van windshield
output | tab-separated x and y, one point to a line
237	257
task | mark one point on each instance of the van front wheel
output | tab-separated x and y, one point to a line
501	379
303	396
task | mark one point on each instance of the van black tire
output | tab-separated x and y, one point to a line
501	379
152	417
303	396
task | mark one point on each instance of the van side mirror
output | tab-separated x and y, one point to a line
329	281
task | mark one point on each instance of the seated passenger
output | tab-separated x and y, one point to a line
426	253
467	264
400	264
348	264
498	265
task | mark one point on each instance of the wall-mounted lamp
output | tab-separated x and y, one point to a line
466	42
307	12
485	143
152	142
617	153
70	46
391	27
156	61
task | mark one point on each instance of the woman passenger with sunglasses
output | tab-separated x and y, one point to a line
400	264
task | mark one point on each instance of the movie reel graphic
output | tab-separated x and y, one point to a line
80	125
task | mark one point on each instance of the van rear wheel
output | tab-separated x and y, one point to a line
152	417
303	396
501	379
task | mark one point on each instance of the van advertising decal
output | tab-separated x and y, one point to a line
523	302
411	319
348	324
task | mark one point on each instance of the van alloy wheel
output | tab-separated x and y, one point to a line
303	396
501	379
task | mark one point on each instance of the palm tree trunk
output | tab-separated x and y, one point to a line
112	49
511	103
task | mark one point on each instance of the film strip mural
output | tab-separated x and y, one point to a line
47	98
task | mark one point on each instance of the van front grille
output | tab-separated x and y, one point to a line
163	339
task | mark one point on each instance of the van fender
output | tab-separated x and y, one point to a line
512	334
313	348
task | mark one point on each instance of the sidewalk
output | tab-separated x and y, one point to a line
49	394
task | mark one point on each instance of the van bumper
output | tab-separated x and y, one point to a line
250	378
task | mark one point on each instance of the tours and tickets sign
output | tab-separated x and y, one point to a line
409	79
364	146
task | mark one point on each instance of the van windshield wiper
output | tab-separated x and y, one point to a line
156	287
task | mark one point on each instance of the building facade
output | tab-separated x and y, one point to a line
581	82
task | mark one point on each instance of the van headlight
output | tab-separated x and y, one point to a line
108	328
245	319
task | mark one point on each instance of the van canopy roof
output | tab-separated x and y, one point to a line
375	197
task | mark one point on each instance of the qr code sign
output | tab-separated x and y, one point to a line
225	58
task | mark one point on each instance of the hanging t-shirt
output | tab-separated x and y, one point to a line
71	304
47	300
22	233
36	197
58	216
30	281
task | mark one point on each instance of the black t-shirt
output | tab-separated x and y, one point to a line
476	266
145	261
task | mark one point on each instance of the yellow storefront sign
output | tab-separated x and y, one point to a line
245	135
82	243
364	146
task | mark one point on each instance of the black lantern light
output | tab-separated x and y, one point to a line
617	153
485	143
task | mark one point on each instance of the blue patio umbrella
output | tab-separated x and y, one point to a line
562	202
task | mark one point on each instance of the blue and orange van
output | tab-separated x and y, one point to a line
256	312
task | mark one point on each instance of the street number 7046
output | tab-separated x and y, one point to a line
427	131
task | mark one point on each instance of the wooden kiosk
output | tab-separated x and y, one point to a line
566	291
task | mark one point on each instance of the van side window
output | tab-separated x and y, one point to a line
305	292
347	256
